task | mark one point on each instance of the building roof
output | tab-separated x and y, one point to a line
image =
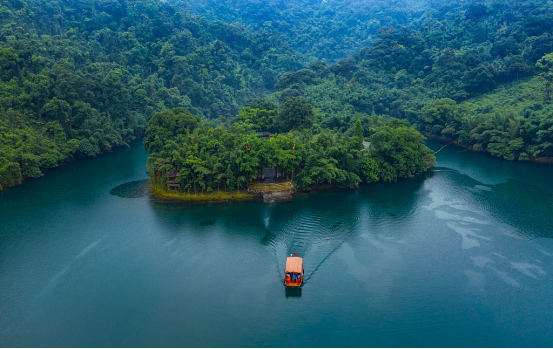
264	134
171	173
294	265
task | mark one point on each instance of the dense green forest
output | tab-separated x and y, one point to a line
320	30
79	77
435	77
210	155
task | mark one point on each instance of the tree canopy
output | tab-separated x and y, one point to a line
80	77
319	30
441	76
213	156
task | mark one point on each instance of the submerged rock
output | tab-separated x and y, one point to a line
134	189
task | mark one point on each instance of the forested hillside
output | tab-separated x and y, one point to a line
321	30
422	75
79	77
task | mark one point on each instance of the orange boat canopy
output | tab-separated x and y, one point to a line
294	265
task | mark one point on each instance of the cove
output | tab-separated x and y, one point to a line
459	256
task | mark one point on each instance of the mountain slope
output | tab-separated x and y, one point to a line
79	77
423	75
321	30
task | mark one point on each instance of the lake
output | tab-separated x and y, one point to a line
459	256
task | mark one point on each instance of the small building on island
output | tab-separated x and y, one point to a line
269	173
265	135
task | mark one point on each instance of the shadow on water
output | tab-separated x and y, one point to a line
292	292
208	221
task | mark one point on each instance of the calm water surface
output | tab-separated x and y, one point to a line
461	256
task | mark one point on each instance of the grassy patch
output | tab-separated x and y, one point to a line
234	195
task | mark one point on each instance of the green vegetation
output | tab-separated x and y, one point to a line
210	157
80	77
221	195
439	78
515	121
320	30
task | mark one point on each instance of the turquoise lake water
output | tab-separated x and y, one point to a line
459	256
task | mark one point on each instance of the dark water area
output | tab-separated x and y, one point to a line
460	256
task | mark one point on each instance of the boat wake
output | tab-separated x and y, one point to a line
314	234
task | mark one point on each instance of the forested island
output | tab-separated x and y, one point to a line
215	155
81	77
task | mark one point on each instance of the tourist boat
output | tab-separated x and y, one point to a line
293	274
